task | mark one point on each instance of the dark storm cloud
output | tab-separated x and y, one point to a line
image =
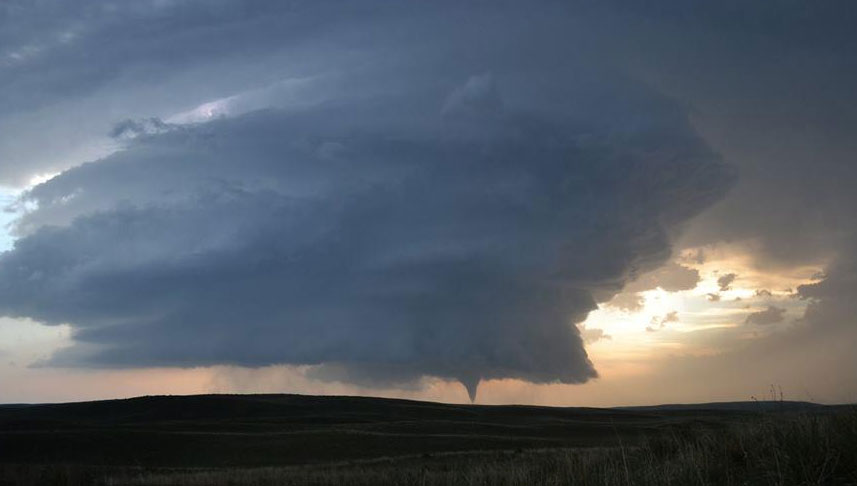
448	233
185	248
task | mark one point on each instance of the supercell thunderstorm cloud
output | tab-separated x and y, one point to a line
382	193
423	212
425	233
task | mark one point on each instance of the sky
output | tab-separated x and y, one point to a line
558	203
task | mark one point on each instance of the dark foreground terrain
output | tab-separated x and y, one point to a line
292	439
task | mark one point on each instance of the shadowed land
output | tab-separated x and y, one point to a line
294	439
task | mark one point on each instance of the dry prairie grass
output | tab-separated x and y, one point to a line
776	449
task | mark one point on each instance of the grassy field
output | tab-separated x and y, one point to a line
290	439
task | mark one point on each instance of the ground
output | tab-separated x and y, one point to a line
294	439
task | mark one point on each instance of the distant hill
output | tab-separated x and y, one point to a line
252	430
749	406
